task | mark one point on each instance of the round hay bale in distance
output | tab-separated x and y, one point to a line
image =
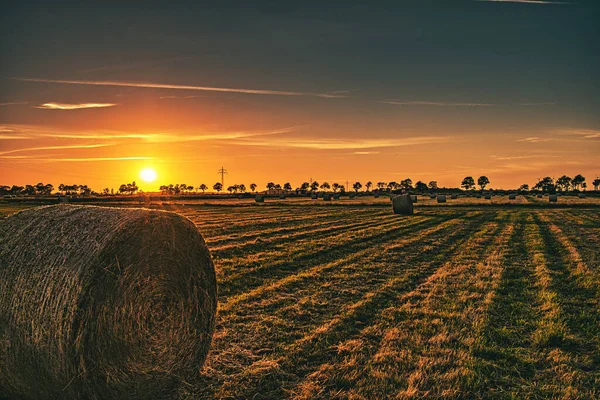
102	303
553	198
441	198
488	196
539	196
453	197
376	195
259	199
512	196
582	195
403	205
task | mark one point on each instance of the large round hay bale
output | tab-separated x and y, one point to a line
582	195
441	198
432	196
259	199
512	196
102	303
454	197
402	204
553	198
413	197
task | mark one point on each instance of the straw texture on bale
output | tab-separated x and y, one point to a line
403	205
553	198
102	302
512	196
259	199
441	198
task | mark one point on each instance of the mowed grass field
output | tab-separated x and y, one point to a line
354	302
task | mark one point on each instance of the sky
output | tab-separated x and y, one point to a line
92	93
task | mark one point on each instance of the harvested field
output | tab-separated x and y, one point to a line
352	301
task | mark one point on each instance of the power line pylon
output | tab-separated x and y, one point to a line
222	171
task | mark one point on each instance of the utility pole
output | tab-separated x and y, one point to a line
222	171
347	189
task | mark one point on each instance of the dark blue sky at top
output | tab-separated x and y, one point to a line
446	50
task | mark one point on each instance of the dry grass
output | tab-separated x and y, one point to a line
348	301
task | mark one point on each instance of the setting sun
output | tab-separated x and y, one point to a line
148	175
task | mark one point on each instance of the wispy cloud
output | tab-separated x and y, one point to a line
177	97
585	133
84	159
343	144
81	146
364	153
18	103
35	132
436	104
510	158
65	106
534	139
183	87
524	1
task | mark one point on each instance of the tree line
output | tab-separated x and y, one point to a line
546	184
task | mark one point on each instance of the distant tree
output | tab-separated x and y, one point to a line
468	183
392	185
270	186
335	187
381	185
341	188
421	187
287	186
105	191
242	188
230	189
29	190
357	186
203	187
4	190
433	185
596	183
483	181
369	185
577	181
15	190
218	187
524	187
277	186
564	183
547	185
314	186
61	188
406	184
123	189
253	187
325	186
304	187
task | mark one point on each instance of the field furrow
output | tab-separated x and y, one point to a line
411	269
